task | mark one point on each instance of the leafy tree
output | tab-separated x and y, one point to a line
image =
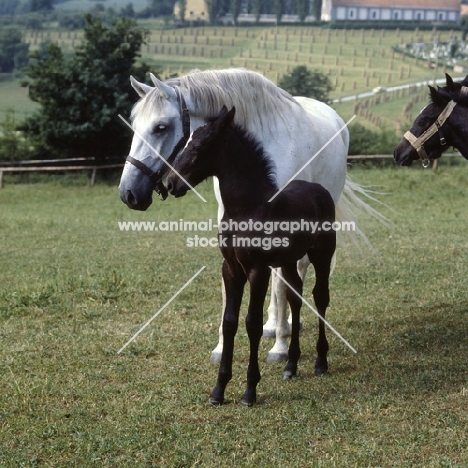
257	8
303	82
317	9
366	141
161	7
464	26
302	8
128	10
82	96
279	7
40	5
213	9
183	9
235	9
13	52
13	146
8	7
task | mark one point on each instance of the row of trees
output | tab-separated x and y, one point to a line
218	8
15	7
12	7
13	52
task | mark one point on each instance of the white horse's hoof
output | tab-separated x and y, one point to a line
269	332
215	357
277	357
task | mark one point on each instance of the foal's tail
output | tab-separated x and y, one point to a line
351	205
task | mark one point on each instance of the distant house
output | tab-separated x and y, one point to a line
195	10
391	10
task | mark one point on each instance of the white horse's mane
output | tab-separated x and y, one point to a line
255	97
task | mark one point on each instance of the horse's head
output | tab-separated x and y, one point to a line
198	160
438	126
161	124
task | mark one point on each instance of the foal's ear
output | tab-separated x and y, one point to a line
225	117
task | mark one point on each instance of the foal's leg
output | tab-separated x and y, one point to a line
321	257
216	353
302	266
290	274
258	279
234	281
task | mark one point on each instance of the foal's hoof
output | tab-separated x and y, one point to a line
216	402
247	402
319	371
288	375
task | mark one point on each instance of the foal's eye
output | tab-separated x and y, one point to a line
197	147
160	128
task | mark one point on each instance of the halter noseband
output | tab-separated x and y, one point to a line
156	176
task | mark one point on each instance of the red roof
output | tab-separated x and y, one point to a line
442	4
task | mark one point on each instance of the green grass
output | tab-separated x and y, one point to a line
74	289
13	96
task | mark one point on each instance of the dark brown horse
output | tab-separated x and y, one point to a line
440	125
247	183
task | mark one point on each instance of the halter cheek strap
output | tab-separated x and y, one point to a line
156	176
418	142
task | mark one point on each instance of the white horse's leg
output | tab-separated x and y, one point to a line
216	353
269	329
279	352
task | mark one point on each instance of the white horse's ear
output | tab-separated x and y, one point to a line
141	89
163	87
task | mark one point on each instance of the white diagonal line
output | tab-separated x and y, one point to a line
158	155
312	158
161	309
316	313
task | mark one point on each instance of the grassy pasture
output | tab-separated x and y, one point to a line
74	289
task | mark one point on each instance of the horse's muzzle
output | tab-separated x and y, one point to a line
177	188
133	202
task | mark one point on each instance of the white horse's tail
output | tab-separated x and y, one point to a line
351	206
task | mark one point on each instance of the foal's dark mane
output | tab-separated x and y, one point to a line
262	164
453	92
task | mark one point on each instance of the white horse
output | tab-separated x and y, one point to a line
292	130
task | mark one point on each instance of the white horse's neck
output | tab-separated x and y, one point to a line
261	107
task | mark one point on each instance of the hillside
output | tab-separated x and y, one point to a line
357	61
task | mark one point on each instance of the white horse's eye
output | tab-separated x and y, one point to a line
160	128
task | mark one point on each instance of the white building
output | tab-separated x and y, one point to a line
391	10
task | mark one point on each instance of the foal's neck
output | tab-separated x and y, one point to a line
246	177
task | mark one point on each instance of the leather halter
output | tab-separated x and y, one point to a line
156	176
418	142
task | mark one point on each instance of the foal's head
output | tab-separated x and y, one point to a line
198	160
